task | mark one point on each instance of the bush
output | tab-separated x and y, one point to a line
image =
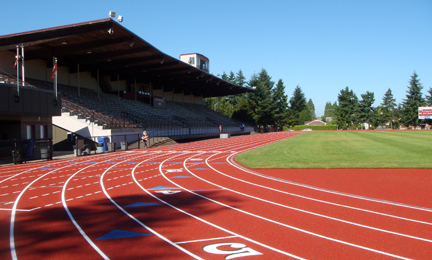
314	127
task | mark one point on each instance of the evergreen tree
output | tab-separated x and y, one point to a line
366	113
304	115
242	112
240	79
413	101
225	107
224	76
261	104
429	98
232	78
347	109
388	108
297	105
311	107
281	101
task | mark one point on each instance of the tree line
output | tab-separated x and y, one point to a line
353	113
268	105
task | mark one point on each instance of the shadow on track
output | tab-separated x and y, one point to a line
48	233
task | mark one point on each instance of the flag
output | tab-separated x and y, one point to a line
54	70
16	63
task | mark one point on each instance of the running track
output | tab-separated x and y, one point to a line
193	201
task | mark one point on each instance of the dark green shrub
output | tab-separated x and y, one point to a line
315	127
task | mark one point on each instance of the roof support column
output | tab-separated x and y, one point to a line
135	90
98	85
79	83
118	88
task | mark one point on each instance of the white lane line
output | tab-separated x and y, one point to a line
14	209
29	170
24	210
276	222
230	160
204	240
135	219
83	234
321	201
205	221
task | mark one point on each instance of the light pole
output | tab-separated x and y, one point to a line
214	106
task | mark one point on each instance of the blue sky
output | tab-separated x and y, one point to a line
322	46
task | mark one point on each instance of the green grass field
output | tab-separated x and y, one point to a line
345	149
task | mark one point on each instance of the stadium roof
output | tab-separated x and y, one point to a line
107	46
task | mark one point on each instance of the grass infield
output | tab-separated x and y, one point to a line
345	149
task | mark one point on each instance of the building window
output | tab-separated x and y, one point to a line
192	60
203	65
44	131
31	131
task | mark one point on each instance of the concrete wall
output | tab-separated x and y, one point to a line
30	101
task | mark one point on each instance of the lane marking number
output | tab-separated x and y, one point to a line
240	250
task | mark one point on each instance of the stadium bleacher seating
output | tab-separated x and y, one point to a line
112	111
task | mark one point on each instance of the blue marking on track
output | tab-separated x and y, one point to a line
196	163
142	204
48	168
152	163
162	188
173	162
180	177
132	162
219	163
88	162
121	234
200	169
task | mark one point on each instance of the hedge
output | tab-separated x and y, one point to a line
314	127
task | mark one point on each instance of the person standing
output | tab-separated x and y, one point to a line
144	138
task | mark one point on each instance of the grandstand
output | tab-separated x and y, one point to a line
109	82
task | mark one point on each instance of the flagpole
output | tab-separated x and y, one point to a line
55	75
17	68
56	81
22	64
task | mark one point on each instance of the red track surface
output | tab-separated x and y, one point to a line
193	201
